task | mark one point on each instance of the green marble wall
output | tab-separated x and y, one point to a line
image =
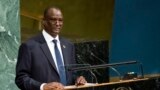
9	42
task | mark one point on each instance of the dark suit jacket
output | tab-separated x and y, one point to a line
35	64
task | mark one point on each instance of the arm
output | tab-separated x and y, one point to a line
23	70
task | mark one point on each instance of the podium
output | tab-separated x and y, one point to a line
92	85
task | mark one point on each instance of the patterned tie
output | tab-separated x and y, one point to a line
61	68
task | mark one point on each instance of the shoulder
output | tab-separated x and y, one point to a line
34	41
65	41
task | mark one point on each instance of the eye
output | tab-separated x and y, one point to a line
61	19
52	19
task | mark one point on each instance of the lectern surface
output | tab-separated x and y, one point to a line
87	85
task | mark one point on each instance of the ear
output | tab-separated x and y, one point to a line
44	23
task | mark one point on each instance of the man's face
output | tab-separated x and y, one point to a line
53	22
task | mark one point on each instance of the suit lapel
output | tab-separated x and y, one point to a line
64	51
47	52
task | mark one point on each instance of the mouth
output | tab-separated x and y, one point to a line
57	29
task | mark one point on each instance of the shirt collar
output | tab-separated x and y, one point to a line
48	37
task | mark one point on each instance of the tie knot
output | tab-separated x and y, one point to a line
55	41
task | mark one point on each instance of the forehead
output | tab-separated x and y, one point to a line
54	12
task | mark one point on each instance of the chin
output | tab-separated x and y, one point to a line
55	33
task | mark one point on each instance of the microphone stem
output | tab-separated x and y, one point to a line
93	75
116	72
103	66
141	68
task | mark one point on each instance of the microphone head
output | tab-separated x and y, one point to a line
130	75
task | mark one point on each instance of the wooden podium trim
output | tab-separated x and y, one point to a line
87	85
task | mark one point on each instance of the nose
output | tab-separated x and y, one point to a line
57	22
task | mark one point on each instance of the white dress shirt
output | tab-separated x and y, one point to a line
49	39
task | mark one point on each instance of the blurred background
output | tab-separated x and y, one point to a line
130	28
83	19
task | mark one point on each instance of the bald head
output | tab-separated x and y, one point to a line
47	10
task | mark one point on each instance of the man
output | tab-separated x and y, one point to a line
38	64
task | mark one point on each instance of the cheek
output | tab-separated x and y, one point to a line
50	24
61	24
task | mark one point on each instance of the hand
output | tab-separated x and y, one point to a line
80	81
53	86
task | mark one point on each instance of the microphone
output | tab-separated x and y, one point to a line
97	57
70	66
96	81
141	69
103	65
114	69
